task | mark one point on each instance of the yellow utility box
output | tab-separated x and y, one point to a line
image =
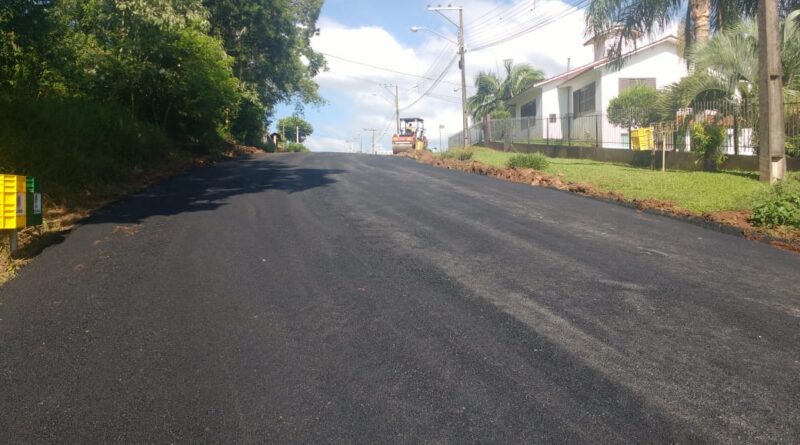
642	139
12	202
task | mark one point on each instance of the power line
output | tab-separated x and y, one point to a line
451	99
539	24
488	21
382	68
485	16
435	84
517	13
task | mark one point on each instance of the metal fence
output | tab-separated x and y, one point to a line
739	121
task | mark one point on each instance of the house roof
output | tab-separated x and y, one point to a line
573	73
612	32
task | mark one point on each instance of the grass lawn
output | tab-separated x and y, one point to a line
697	191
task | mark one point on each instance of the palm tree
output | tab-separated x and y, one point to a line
492	93
699	19
487	96
519	78
726	67
633	18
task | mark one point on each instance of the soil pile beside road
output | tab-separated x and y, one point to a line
732	221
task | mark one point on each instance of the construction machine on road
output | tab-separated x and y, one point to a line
411	137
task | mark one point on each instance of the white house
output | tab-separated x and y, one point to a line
572	105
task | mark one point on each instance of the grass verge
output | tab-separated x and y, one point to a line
701	192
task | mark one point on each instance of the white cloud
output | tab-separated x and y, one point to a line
329	144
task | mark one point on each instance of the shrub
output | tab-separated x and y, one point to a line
634	107
707	144
77	146
780	206
536	161
458	154
793	146
296	148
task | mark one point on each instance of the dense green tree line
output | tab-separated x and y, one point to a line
199	70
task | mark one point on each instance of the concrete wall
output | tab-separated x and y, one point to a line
675	160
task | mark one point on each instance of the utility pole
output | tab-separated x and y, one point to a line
461	63
396	102
397	107
771	150
441	127
297	135
373	138
463	66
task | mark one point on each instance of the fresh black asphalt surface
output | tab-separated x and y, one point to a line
324	298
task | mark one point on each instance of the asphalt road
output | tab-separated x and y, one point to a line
356	299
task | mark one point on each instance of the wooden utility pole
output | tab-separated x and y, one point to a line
771	150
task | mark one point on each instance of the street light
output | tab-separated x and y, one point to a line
461	51
422	28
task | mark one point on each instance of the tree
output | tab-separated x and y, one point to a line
698	19
154	57
270	42
487	97
630	19
492	93
726	67
289	126
634	107
245	57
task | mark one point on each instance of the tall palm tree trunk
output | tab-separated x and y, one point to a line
701	15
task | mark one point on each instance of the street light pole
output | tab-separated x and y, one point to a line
461	63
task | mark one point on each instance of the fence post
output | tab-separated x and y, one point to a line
569	129
735	132
548	131
630	139
597	119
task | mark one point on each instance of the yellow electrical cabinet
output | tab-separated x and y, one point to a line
642	139
12	202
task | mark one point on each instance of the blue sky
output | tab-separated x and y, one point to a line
378	32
